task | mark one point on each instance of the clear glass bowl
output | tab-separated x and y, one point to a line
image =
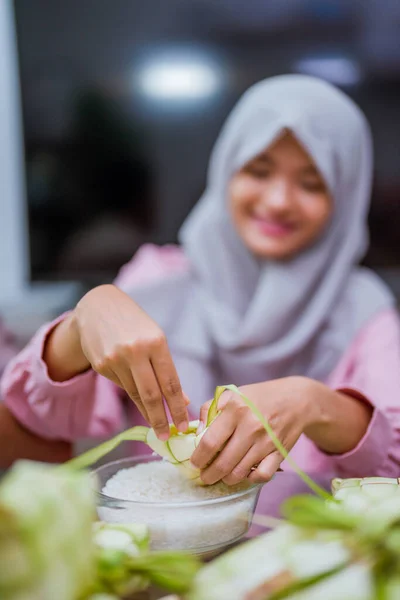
202	527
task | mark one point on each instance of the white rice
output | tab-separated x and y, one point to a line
160	481
198	528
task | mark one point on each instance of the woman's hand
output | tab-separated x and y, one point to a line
113	335
243	438
334	421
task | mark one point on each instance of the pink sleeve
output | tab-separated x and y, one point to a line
7	347
371	371
87	405
151	263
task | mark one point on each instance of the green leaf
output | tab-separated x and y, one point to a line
173	571
213	410
314	512
89	458
306	583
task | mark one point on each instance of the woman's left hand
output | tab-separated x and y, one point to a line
247	450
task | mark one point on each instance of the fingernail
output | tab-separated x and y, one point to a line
204	480
182	427
200	428
163	436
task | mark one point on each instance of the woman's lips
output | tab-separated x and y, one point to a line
272	228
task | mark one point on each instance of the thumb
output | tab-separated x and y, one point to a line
267	468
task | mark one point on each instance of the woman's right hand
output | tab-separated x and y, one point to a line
109	332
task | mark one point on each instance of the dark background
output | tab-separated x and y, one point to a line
109	166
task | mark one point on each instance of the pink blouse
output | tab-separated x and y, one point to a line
8	348
89	405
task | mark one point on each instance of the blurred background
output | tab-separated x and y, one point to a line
114	105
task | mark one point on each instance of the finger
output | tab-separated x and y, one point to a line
169	383
242	469
151	397
214	439
222	402
225	463
204	411
112	377
128	384
266	469
186	399
224	399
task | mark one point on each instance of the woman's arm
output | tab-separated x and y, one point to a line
357	422
292	406
85	406
337	421
62	352
49	388
110	333
370	370
18	443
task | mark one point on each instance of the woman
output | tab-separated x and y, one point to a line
16	441
266	288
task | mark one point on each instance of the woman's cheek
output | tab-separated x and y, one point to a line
316	212
243	189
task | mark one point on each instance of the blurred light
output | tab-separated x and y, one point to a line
336	69
178	79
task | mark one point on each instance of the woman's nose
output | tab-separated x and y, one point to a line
278	195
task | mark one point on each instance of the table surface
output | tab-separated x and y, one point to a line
283	486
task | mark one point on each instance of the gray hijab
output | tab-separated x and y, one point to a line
235	319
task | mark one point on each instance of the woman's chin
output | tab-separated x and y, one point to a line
271	249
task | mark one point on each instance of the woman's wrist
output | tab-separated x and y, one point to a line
335	422
317	398
63	352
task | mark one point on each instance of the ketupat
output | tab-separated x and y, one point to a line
324	550
103	597
178	449
46	548
286	558
345	547
114	545
360	493
124	563
327	550
50	548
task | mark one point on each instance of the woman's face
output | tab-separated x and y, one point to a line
279	201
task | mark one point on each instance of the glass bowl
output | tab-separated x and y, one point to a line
203	527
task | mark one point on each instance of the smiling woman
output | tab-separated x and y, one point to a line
265	292
279	201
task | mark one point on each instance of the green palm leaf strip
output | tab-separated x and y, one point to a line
89	458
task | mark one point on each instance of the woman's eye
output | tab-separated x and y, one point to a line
315	187
259	171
